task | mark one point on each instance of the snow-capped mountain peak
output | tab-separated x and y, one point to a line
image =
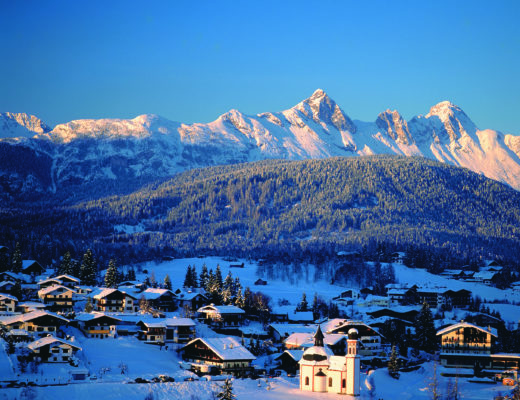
321	108
16	125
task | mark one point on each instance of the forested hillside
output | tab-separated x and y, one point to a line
287	209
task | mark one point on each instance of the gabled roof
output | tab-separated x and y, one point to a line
53	288
155	293
85	317
69	277
221	309
104	292
227	348
5	283
454	327
48	340
29	317
182	295
287	329
18	277
7	296
296	355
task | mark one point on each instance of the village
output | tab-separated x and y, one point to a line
208	319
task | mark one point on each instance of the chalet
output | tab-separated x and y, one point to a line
171	330
280	332
464	345
114	300
221	316
458	298
336	342
32	267
260	282
160	299
402	295
97	325
452	273
140	286
179	330
52	350
289	313
236	265
64	280
374	301
29	306
370	340
7	303
152	331
288	360
6	286
58	298
190	300
38	323
486	277
348	294
8	276
19	335
224	355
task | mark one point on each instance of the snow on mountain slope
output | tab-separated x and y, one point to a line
16	125
150	146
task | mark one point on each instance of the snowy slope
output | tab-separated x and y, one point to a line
149	147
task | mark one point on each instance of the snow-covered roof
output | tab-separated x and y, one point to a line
188	295
53	288
454	327
7	296
84	317
227	348
29	317
5	283
179	322
154	293
48	340
307	340
56	280
221	309
331	324
17	277
18	332
69	277
104	292
296	355
485	275
32	304
324	354
28	263
287	329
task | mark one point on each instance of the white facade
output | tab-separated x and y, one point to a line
321	371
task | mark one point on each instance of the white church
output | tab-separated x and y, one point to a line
321	371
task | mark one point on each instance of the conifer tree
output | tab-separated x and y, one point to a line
393	364
167	282
88	269
16	290
248	299
303	306
76	269
204	277
89	306
17	262
218	279
227	391
130	276
111	277
425	333
239	299
194	277
66	264
188	278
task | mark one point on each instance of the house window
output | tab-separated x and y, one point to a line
330	382
343	384
306	381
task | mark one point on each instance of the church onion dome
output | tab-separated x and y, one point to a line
353	334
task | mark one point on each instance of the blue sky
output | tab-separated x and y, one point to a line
192	61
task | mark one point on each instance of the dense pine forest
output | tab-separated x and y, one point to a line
285	210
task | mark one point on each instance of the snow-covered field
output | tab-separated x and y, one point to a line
411	385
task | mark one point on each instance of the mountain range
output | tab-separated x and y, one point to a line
117	155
